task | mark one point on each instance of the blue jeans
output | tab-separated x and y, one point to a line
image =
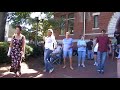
102	56
81	56
48	64
119	54
90	54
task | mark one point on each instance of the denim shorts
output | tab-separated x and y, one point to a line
67	53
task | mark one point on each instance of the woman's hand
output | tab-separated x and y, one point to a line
8	54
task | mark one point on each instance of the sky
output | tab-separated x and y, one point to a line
33	15
36	14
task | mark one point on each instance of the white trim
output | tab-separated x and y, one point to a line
96	13
71	34
112	23
84	17
95	28
64	35
61	35
74	40
70	19
92	33
98	34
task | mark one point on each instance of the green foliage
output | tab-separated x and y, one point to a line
37	50
4	49
3	52
18	18
28	50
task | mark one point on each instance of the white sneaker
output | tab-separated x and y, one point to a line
82	65
78	65
51	70
96	64
44	70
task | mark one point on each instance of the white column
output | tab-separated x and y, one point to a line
84	22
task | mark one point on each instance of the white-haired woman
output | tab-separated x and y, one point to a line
50	44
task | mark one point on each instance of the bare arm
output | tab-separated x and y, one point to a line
11	44
23	45
10	47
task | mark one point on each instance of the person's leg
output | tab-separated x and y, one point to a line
64	56
83	58
104	57
49	64
99	61
92	55
88	54
70	57
45	59
79	58
95	58
119	55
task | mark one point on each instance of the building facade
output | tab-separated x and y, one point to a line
88	24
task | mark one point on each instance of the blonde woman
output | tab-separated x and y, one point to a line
50	44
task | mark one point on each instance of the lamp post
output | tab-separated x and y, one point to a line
37	20
38	16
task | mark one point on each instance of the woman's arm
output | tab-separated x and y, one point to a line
10	46
23	45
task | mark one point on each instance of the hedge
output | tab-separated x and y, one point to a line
4	46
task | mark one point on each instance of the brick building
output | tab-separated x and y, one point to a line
86	23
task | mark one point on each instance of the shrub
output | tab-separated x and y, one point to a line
3	52
37	50
28	51
4	46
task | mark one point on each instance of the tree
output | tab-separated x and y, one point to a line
3	17
18	18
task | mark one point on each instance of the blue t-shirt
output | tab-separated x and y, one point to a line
81	42
67	43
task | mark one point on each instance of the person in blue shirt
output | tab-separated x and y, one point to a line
67	49
81	44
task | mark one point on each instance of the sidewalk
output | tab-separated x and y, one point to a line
33	69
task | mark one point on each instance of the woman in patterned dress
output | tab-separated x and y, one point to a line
17	51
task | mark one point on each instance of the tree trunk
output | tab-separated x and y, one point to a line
3	17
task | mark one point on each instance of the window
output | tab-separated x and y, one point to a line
71	23
95	21
62	26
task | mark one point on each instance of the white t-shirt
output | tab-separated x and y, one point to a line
96	48
49	43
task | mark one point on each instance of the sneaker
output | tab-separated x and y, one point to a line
102	71
64	66
78	65
98	71
82	65
51	70
44	70
71	68
95	64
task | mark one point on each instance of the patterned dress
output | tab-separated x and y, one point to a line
16	55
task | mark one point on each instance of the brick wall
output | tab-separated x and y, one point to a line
104	19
